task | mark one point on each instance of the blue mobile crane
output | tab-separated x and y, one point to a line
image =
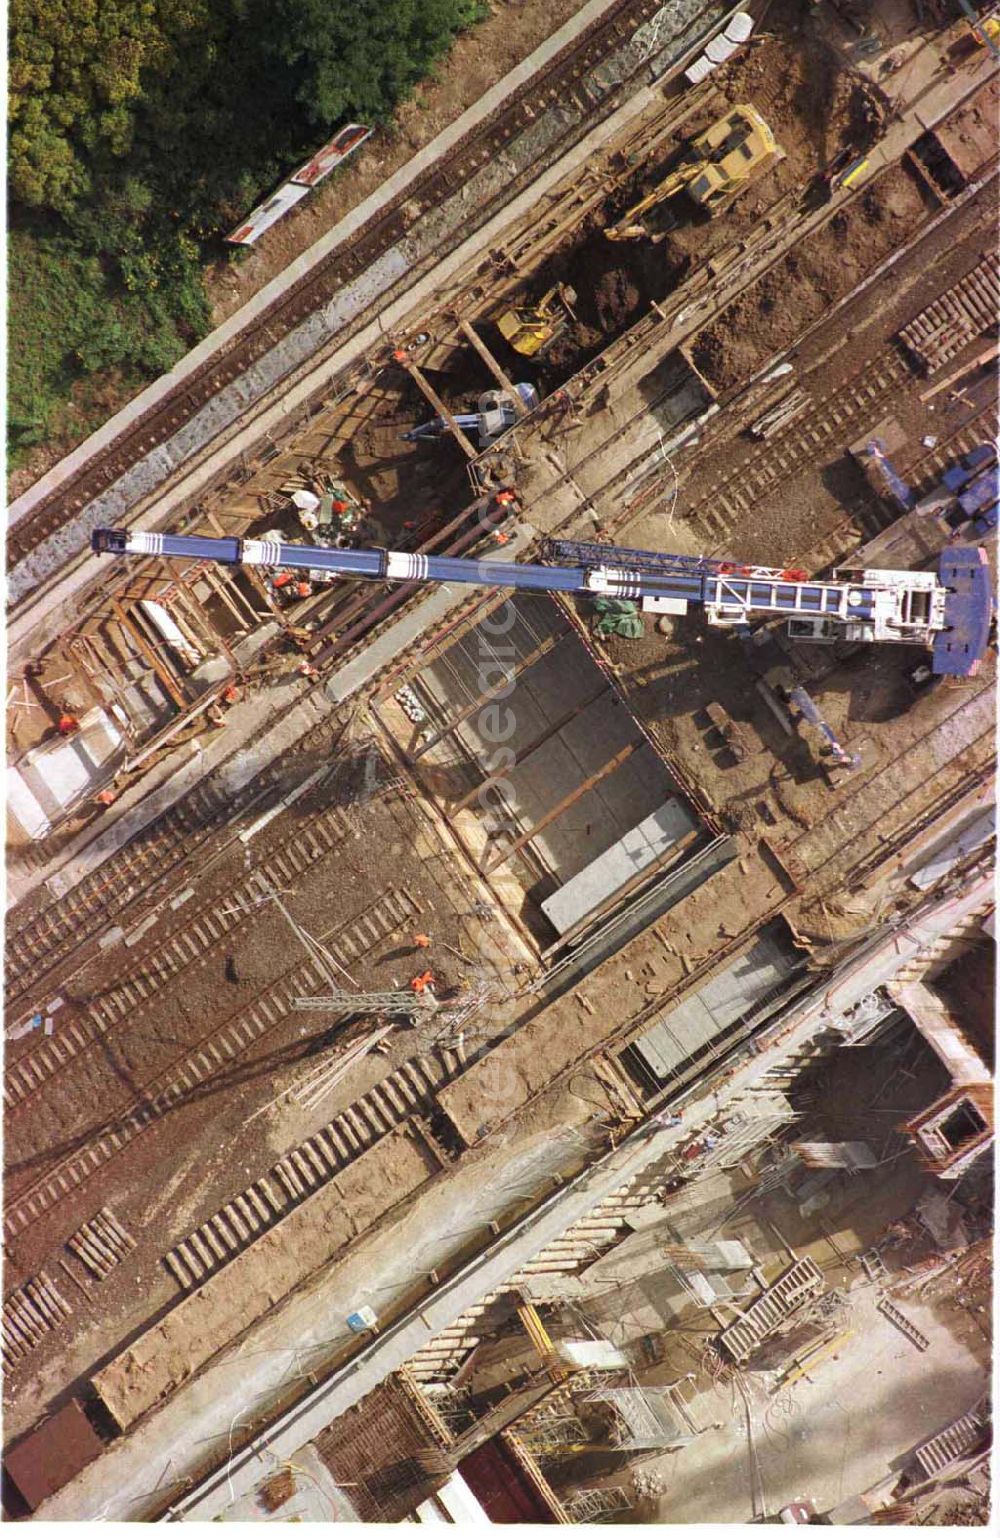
949	609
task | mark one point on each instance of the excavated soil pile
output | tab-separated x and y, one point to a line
616	299
810	101
614	285
803	286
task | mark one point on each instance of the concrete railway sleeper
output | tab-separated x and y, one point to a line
826	423
195	937
198	1066
408	1091
137	870
52	935
30	1312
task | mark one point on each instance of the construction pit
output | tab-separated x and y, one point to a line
664	865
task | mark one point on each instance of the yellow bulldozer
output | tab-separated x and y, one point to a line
715	168
534	327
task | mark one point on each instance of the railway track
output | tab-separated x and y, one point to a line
562	81
829	422
199	1064
406	1092
876	861
195	937
826	426
929	468
45	941
140	869
878	803
843	539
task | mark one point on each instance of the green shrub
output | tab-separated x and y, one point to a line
142	130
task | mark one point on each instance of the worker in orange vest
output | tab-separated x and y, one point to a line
68	724
422	982
421	942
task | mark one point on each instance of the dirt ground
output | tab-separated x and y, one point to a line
797	513
228	1131
813	104
809	279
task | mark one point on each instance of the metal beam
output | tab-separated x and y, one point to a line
533	746
439	406
148	653
562	806
611	904
491	363
549	644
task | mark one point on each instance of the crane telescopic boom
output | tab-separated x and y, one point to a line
948	610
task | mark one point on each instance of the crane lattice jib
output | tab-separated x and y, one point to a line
949	611
574	552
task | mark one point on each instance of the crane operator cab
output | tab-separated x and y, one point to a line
730	152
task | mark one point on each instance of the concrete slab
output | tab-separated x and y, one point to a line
627	857
837	1431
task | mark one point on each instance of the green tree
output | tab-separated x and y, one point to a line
76	72
141	130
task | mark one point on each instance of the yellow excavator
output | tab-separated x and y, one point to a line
715	167
530	329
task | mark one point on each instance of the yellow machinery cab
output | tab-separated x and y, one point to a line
730	152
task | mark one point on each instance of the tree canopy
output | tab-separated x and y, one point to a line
141	130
